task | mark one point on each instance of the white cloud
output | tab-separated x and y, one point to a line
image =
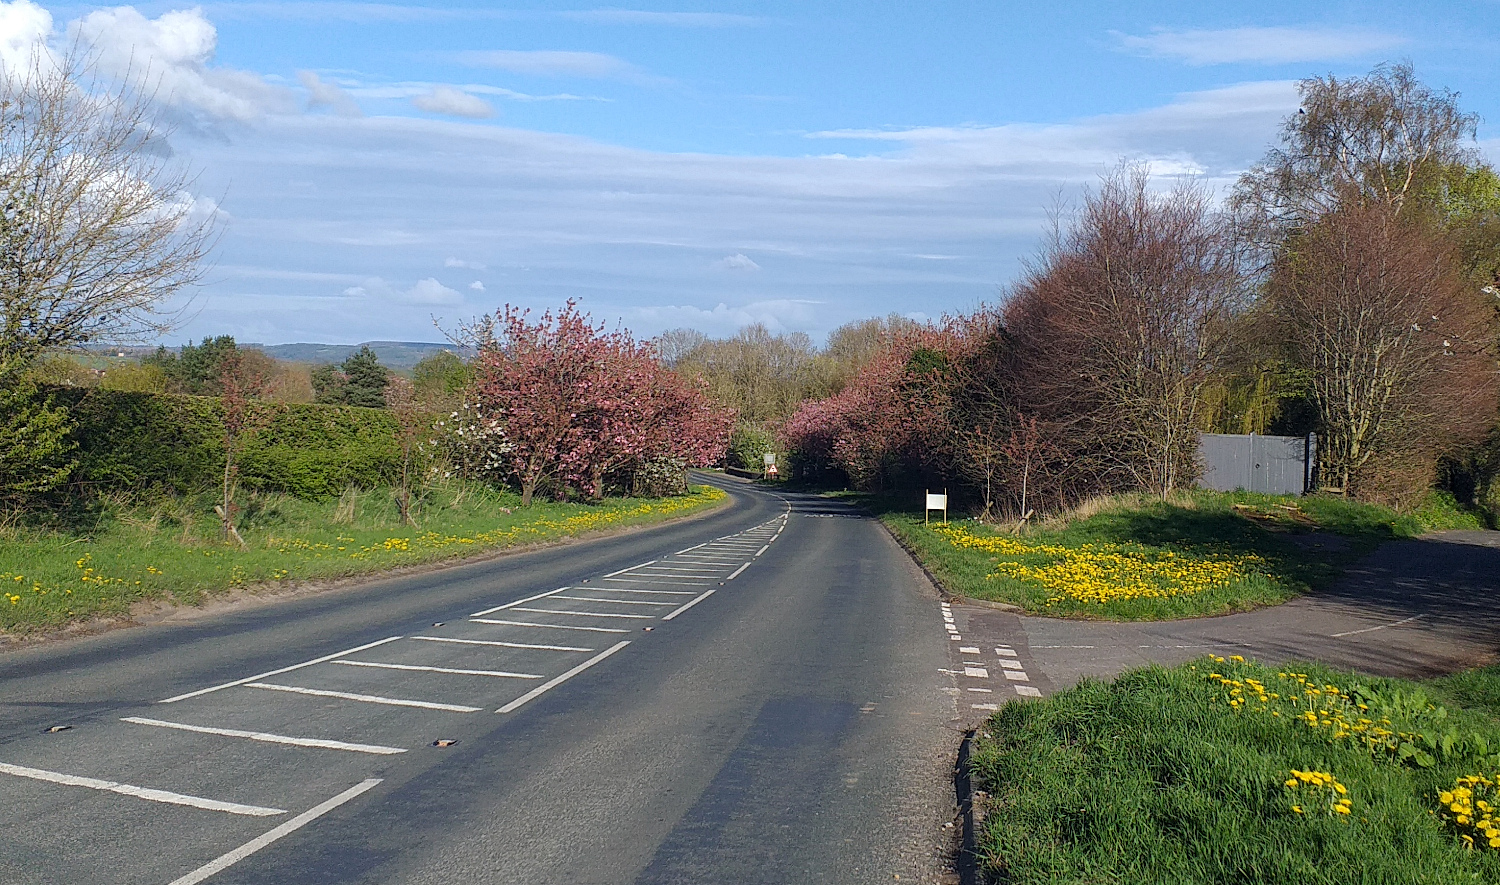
477	286
453	102
778	315
559	216
554	63
324	94
737	261
430	291
170	55
23	28
1259	45
459	262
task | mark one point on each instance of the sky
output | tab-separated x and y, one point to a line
386	171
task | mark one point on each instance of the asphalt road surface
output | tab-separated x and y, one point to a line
767	694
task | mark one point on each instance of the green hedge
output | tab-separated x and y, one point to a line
137	441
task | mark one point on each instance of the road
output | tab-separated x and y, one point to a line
767	694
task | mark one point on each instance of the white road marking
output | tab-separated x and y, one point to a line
559	680
661	580
548	626
736	572
228	859
763	550
956	638
665	571
247	679
686	549
1012	665
705	555
1016	676
367	698
1064	646
1028	691
990	707
490	611
264	737
612	601
968	650
638	590
1006	652
977	672
550	611
72	780
502	644
1373	629
457	672
690	603
983	690
631	569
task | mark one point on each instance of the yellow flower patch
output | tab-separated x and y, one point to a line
1470	809
1318	792
1102	573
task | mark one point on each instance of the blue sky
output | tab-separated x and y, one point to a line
376	167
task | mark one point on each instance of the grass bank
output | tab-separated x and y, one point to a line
1228	772
103	561
1136	558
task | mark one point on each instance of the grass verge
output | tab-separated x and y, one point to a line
1229	772
124	554
1135	558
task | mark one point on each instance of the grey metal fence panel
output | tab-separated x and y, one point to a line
1277	465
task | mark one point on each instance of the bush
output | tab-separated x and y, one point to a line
748	445
138	441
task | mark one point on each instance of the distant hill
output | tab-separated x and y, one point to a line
393	354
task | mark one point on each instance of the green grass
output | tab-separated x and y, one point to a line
101	561
1154	778
1137	558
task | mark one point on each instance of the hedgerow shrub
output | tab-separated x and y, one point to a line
139	441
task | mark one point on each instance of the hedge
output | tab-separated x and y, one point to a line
138	441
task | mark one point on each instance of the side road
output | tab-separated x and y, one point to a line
761	695
1411	608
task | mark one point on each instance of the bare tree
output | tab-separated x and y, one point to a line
413	424
97	226
1401	349
1120	328
241	383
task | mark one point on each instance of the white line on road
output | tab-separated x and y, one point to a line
72	780
631	569
559	680
264	737
978	672
1016	676
423	669
686	549
490	611
502	644
1028	692
1373	629
612	601
348	651
660	581
367	698
552	611
690	603
763	550
736	572
259	842
637	590
548	626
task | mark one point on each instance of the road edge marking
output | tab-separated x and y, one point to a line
559	680
228	859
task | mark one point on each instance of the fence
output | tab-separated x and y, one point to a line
1276	465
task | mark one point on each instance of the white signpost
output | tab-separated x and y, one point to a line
770	470
936	502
